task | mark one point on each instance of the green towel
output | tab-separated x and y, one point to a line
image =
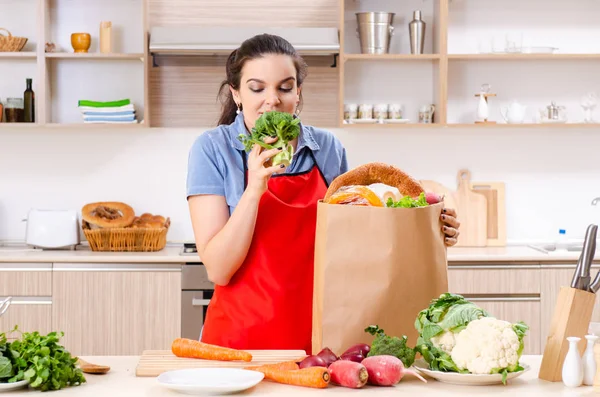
111	104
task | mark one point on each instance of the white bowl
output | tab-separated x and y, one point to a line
13	386
210	380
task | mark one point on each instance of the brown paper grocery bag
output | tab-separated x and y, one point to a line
374	266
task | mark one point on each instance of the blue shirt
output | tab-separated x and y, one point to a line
215	159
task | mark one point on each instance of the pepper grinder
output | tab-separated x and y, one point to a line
106	37
416	30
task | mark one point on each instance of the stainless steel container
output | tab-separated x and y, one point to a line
416	30
375	31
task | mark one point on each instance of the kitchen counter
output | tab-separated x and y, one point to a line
121	381
171	254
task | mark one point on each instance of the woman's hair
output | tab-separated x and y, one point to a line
253	48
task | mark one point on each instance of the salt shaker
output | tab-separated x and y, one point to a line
572	369
589	362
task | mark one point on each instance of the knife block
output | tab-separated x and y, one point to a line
572	315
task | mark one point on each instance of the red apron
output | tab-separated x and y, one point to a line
268	302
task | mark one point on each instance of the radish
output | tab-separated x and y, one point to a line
433	198
348	374
386	370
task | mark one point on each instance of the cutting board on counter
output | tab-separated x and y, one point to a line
155	362
471	208
494	192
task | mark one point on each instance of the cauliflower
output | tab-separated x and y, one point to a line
444	341
486	346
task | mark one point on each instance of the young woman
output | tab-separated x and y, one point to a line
255	226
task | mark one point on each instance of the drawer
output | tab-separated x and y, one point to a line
499	279
195	277
515	309
30	314
25	279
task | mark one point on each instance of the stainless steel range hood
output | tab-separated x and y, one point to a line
196	40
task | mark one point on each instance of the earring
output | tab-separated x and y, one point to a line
239	108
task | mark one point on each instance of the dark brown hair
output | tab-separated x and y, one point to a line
253	48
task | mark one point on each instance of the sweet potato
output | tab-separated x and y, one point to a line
386	370
348	374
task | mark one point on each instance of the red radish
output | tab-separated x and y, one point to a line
433	198
328	356
386	370
361	348
356	357
348	374
312	361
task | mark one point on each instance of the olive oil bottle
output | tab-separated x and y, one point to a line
29	104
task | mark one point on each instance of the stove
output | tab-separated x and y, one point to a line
188	249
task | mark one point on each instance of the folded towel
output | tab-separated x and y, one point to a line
97	104
113	118
110	122
108	114
129	108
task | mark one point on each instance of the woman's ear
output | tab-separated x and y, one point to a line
236	95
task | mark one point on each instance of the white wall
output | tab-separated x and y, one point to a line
551	175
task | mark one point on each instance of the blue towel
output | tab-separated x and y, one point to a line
113	118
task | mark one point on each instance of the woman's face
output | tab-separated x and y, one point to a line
267	83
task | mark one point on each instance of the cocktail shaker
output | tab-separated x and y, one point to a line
416	29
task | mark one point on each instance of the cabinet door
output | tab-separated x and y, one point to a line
553	277
30	314
514	309
117	309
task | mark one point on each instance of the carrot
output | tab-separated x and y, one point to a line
183	347
317	377
282	366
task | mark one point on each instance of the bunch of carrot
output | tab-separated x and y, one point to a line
189	348
289	373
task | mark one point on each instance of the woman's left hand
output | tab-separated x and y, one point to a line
451	225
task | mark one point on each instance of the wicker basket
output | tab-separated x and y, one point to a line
11	43
127	239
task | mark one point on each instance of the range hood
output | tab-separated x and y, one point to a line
196	40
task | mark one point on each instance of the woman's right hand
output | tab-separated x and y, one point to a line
258	174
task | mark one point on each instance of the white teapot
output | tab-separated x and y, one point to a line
514	113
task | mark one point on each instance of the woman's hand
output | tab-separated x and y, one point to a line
451	225
258	174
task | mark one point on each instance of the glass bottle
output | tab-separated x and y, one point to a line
29	104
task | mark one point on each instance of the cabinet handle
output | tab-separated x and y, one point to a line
503	298
29	300
200	302
492	267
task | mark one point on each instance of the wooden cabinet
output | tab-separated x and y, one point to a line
25	279
510	292
29	314
116	309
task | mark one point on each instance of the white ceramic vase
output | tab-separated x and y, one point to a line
589	361
572	370
482	108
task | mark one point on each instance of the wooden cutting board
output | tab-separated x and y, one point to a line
494	192
471	209
155	362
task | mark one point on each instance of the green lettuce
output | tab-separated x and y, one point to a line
407	202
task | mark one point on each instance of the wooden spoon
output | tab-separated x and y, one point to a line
89	368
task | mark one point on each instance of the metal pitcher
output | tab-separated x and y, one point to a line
375	31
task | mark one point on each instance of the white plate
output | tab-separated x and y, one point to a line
550	121
466	379
396	121
13	386
210	380
364	121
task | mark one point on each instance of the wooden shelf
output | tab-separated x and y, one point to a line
19	55
93	55
526	125
391	57
533	57
94	125
402	126
6	125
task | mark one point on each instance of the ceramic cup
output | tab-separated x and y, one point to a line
81	42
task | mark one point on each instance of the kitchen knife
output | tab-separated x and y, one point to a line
581	279
4	305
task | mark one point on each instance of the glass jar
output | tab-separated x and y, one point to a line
365	111
350	111
15	112
381	111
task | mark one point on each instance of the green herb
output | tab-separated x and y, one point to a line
407	202
41	360
390	345
282	125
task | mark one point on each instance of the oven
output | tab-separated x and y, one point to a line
196	292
